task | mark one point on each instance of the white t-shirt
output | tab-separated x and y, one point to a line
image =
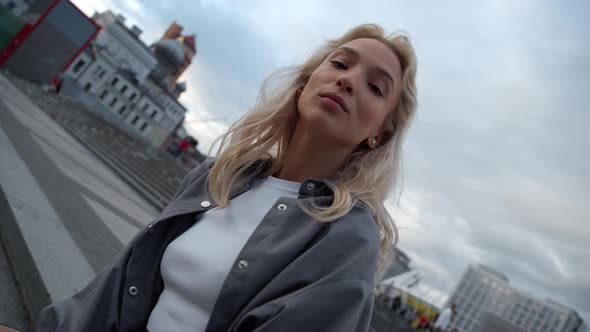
195	265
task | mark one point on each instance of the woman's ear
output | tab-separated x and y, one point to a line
380	139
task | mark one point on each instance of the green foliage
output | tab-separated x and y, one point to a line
9	26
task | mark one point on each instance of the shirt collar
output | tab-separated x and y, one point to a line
308	189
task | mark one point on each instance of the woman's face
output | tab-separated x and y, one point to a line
348	97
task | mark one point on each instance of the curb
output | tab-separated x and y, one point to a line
32	288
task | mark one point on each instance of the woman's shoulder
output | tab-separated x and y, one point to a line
357	231
358	223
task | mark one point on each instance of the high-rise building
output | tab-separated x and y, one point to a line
492	323
484	295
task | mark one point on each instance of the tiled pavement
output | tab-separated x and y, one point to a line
71	211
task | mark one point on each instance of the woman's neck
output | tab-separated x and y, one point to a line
307	157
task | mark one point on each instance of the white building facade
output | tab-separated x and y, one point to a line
124	45
115	69
482	290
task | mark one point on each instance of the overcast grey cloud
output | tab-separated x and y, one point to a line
496	163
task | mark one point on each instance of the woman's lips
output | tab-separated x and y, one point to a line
334	101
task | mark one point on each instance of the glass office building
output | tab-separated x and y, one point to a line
483	292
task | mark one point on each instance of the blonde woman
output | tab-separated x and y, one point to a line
285	230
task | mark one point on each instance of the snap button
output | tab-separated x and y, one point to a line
282	207
310	186
205	204
132	290
243	264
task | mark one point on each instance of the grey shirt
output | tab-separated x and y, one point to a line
294	273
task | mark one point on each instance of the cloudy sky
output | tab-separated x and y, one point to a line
496	163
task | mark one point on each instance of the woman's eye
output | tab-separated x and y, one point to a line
375	89
338	64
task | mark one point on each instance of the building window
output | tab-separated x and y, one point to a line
113	102
154	113
143	126
124	88
133	96
102	73
97	69
87	86
145	106
122	109
103	94
78	65
114	81
134	121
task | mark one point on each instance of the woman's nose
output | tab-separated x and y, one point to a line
346	82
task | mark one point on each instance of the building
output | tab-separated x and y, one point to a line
175	53
493	323
484	296
130	84
400	264
407	288
44	39
400	281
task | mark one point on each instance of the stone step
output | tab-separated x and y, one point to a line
156	179
147	191
161	185
150	169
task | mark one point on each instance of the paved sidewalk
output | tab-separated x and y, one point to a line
68	213
12	308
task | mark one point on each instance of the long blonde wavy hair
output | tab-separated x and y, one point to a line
369	177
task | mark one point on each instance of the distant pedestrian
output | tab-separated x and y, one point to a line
58	85
410	315
404	307
184	144
423	322
396	303
444	319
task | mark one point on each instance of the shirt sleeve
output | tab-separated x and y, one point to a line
337	306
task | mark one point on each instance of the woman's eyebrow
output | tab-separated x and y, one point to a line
385	74
356	55
351	51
